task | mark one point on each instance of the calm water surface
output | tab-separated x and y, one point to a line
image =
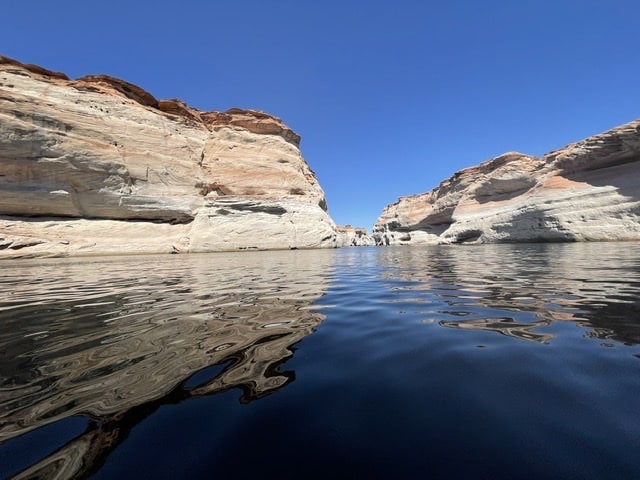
505	361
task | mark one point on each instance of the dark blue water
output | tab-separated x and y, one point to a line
505	361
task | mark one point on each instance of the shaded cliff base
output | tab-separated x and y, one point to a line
78	237
587	191
237	230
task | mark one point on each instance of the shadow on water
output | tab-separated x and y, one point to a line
113	340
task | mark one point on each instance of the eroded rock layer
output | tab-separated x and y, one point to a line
587	191
99	166
349	236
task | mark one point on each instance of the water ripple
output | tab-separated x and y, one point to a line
414	334
99	336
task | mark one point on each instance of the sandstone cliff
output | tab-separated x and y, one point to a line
99	166
349	236
587	191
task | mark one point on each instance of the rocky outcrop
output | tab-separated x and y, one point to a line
587	191
99	166
349	236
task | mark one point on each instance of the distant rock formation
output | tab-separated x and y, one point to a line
99	166
587	191
349	236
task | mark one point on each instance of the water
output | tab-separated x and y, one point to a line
505	361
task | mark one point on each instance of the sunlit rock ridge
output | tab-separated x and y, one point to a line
586	191
97	165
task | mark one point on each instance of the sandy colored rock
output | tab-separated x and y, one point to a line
98	165
587	191
349	236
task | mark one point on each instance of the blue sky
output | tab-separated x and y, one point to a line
390	97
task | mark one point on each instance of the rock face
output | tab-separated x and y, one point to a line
99	166
587	191
349	236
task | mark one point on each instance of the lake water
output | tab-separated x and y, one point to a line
493	361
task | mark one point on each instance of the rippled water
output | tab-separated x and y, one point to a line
505	361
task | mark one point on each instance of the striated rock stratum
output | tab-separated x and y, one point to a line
587	191
97	165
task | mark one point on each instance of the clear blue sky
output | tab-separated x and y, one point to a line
390	97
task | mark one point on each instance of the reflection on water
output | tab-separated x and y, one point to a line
101	337
506	326
110	341
595	285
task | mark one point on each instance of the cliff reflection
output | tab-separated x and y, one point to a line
595	285
505	326
113	339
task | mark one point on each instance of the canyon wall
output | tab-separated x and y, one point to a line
97	165
586	191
